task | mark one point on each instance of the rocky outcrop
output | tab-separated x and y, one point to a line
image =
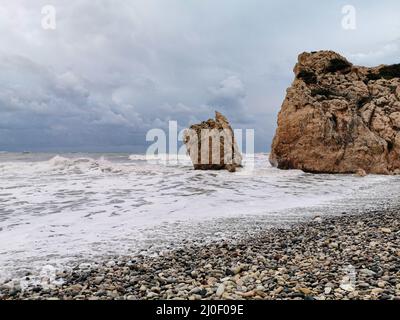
211	145
339	118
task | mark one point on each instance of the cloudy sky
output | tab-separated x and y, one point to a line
113	69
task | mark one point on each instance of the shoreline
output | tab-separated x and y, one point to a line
354	256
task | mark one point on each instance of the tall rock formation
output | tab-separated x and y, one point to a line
211	145
339	118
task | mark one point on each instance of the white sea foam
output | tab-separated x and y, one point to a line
60	208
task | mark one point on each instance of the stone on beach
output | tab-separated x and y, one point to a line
220	291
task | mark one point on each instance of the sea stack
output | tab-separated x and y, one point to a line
211	145
339	118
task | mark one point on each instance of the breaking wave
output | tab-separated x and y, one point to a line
85	164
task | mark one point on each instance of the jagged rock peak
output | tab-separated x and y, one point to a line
339	118
211	145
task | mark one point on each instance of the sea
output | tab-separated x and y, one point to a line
60	210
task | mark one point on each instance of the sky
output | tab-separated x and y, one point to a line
112	70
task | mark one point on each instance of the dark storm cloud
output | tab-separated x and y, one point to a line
114	69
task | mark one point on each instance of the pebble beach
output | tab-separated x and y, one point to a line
342	257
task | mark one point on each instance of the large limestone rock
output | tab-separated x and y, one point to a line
211	145
339	118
